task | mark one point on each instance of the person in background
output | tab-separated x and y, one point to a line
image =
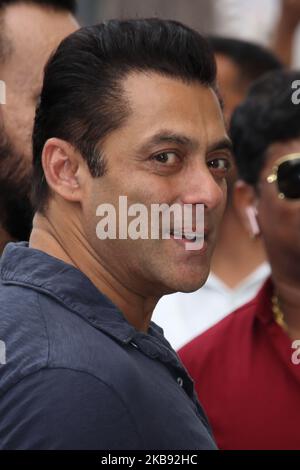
29	31
272	23
239	64
239	265
246	368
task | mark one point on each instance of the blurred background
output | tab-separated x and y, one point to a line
255	20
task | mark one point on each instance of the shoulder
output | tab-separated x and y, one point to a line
65	409
39	332
23	332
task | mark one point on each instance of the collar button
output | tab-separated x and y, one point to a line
180	381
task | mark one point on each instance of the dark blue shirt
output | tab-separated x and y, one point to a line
78	375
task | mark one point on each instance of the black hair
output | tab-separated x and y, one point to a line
82	97
253	60
268	115
15	183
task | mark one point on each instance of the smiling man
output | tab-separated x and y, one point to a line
127	109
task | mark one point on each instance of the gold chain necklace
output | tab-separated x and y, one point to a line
278	314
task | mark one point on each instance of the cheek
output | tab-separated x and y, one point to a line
278	219
288	219
100	196
145	190
18	120
267	214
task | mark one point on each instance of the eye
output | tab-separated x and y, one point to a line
221	165
166	158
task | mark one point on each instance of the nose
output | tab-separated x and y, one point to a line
200	187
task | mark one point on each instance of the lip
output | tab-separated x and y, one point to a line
182	242
204	233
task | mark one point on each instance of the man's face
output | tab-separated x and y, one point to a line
279	219
30	33
233	89
172	149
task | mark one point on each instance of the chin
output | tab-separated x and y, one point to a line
189	283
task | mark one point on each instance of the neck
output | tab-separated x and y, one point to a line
4	239
287	288
236	255
70	245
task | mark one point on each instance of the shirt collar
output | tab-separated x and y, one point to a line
28	267
264	302
253	279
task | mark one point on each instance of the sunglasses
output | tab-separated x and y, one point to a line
286	173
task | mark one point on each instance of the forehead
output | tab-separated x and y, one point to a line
228	71
280	149
34	31
158	102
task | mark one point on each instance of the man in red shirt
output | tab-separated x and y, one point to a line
247	367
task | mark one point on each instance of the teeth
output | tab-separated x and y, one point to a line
188	236
191	235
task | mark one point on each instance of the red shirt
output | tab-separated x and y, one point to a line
246	380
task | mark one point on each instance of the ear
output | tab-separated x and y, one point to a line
61	164
245	202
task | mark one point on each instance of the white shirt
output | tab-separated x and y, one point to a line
184	316
253	20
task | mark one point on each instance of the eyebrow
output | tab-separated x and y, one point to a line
223	144
168	137
180	139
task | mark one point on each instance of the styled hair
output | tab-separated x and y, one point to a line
268	115
82	99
